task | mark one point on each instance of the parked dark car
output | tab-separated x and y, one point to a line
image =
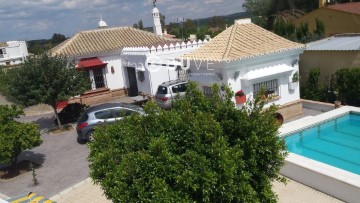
100	114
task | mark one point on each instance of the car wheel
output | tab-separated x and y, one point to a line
90	136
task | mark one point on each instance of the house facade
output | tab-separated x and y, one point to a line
247	57
13	52
98	52
337	18
156	64
331	54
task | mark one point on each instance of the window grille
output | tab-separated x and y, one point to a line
271	88
99	78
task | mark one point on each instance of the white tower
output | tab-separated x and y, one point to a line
102	24
156	17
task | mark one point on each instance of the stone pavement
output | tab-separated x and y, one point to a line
292	192
84	191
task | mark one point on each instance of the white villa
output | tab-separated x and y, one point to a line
247	57
13	52
124	60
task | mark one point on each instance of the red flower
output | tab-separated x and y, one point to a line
239	93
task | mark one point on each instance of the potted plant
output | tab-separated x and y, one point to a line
240	97
294	81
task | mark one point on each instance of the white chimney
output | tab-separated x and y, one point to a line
243	21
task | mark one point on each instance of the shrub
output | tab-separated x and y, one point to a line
71	112
203	150
15	137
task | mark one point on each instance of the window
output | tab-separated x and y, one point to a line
162	90
207	91
270	86
123	112
179	88
182	74
105	114
99	78
2	52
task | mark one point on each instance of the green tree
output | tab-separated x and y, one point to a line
3	81
203	150
313	89
46	79
139	25
57	38
15	137
162	21
347	84
217	22
319	29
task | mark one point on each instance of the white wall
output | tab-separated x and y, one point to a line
162	68
268	63
114	80
16	52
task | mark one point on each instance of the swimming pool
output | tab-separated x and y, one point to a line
324	152
335	142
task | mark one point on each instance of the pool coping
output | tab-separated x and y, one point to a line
340	183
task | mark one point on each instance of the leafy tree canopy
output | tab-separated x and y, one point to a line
46	79
15	137
203	150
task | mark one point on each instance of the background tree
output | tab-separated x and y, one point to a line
203	150
266	11
347	84
313	89
46	79
43	45
15	137
139	25
162	21
217	22
57	38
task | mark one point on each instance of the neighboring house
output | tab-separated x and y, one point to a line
331	54
247	57
13	52
337	18
156	64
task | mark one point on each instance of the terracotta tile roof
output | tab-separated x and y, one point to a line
106	40
353	7
240	41
3	44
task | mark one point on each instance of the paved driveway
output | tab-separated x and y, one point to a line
63	162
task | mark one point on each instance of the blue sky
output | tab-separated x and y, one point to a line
39	19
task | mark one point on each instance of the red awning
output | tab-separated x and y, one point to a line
93	62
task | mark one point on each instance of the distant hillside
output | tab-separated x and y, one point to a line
229	19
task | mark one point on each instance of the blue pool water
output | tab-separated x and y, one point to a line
336	142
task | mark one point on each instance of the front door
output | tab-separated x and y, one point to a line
133	89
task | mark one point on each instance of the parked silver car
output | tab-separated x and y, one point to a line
101	114
167	92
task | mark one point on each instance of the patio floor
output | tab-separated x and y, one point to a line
292	192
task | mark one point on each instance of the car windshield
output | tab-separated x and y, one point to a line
162	90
